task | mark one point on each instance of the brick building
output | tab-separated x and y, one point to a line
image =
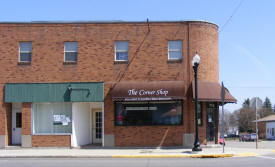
70	84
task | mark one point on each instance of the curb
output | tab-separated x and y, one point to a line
175	156
248	154
122	156
57	156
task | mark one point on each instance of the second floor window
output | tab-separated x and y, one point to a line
121	51
25	52
174	50
70	52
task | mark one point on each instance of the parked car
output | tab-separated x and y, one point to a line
232	135
244	137
253	137
248	137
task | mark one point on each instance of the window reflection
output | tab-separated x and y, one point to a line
149	113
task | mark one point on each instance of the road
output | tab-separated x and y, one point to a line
261	144
268	161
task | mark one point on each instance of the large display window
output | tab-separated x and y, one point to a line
148	113
52	118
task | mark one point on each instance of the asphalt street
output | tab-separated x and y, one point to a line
266	161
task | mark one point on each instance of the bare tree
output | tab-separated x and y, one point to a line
227	115
232	121
245	118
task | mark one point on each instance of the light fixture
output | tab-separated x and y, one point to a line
196	59
195	63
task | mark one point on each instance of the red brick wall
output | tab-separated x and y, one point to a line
261	129
149	136
26	119
147	54
96	52
3	113
9	125
8	108
5	117
51	140
202	129
204	40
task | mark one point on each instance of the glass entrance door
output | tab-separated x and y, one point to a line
210	125
16	124
212	112
97	127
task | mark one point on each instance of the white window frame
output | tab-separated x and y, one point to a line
24	52
70	51
174	50
121	51
51	133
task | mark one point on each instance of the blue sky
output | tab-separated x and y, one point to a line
246	42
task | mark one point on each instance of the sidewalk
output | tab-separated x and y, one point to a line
19	152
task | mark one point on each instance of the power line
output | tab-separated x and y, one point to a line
236	9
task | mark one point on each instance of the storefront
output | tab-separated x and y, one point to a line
161	113
55	114
210	94
148	103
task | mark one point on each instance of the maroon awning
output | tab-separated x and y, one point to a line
211	91
145	91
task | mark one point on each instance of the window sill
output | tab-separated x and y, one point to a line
24	63
174	61
69	62
121	62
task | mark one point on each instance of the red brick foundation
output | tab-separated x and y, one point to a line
51	140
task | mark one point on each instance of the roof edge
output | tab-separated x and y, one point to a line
104	22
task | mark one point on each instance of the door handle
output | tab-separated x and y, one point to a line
13	129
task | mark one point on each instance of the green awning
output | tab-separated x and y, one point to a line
54	92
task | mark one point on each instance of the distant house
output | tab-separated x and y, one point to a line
266	127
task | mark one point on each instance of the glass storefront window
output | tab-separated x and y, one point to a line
52	118
148	113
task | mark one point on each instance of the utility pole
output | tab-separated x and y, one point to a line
222	96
